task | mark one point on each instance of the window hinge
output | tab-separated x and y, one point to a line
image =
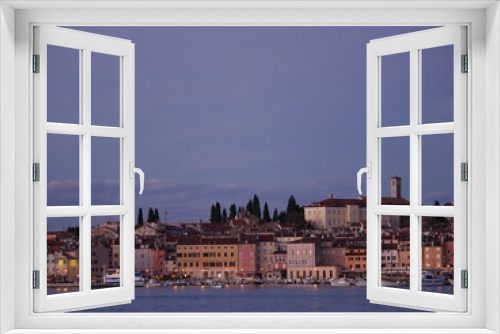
464	279
36	63
36	279
36	172
465	64
464	171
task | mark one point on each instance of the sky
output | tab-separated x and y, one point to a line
223	113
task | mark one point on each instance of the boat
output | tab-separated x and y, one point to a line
257	282
429	279
139	280
152	283
112	279
360	282
218	285
309	280
342	282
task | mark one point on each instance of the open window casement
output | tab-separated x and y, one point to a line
82	295
411	288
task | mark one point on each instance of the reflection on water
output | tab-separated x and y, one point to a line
253	299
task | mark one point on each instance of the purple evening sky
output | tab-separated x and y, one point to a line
226	112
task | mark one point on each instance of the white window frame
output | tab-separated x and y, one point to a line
86	44
483	20
414	43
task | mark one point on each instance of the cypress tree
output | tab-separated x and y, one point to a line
140	218
212	214
232	211
157	215
250	206
275	215
218	215
224	216
256	206
151	215
267	217
292	205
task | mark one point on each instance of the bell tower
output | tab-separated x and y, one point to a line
395	187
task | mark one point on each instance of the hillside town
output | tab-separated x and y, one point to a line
330	245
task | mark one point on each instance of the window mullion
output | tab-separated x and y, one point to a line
86	169
415	168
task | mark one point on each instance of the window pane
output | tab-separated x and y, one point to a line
437	84
63	170
395	168
105	256
63	85
105	171
437	169
395	95
105	89
63	265
437	254
395	252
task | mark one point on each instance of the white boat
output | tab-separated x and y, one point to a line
153	282
360	282
139	281
429	279
342	282
218	285
309	280
113	279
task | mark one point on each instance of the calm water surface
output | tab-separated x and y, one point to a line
254	299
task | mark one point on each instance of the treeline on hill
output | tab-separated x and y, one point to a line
294	213
153	216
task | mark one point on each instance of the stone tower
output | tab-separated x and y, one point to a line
395	187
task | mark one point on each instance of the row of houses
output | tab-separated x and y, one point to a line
249	248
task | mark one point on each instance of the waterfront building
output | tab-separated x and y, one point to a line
266	246
334	255
316	272
432	256
247	260
279	264
208	258
355	259
159	260
303	253
448	251
143	259
115	256
389	260
99	259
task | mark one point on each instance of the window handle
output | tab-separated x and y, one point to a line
368	171
139	171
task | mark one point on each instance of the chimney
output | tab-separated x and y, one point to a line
330	196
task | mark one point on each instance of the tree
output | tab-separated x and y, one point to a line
250	206
256	206
151	215
292	205
75	231
282	217
232	211
212	214
140	218
275	215
157	215
266	215
224	216
218	215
